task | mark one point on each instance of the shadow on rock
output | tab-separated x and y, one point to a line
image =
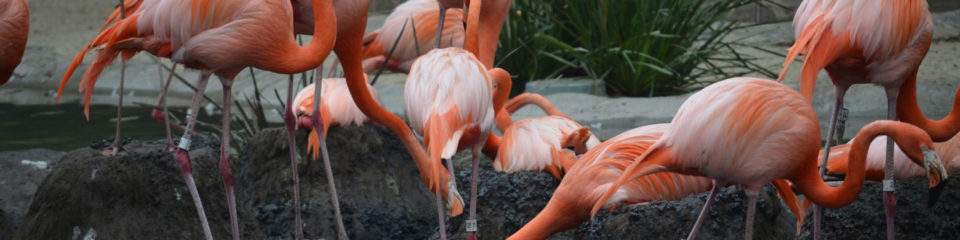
140	195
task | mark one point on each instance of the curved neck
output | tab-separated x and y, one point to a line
471	40
292	58
532	98
554	218
812	185
501	93
908	110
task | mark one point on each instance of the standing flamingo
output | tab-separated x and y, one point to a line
338	108
415	24
863	41
448	99
217	37
14	27
750	132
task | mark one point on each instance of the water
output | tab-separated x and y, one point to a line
62	127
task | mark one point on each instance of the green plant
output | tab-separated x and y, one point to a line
639	48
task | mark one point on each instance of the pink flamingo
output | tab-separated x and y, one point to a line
750	132
14	27
904	167
217	37
415	24
535	145
492	14
867	41
338	108
597	169
448	100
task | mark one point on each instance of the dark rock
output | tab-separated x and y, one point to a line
19	181
139	195
6	227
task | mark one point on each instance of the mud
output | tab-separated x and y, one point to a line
382	197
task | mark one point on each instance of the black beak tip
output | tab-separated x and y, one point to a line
935	193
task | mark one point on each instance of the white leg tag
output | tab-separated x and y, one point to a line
184	144
471	225
887	185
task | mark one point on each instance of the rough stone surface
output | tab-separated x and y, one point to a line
19	181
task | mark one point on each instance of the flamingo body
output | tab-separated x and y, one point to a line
14	27
531	144
423	15
337	108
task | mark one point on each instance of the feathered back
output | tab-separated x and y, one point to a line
528	144
14	27
444	78
424	15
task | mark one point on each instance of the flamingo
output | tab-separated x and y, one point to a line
535	144
865	41
414	23
751	131
14	27
338	108
448	99
217	37
593	174
949	152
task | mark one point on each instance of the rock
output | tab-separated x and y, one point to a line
140	195
380	190
6	227
20	174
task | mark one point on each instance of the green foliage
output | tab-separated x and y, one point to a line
639	48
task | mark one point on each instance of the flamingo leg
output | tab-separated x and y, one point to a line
751	212
183	159
837	105
703	212
321	134
889	201
225	172
290	124
443	13
162	102
443	224
472	220
117	147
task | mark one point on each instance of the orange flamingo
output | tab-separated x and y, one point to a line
217	37
948	151
414	23
750	132
867	41
598	168
337	108
14	27
492	14
448	100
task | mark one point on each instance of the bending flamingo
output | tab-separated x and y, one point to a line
415	24
750	132
338	108
864	41
14	27
217	37
839	164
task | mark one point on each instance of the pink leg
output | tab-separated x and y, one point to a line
117	147
290	122
889	201
443	13
225	171
443	224
839	92
703	212
472	220
751	212
183	159
162	102
318	128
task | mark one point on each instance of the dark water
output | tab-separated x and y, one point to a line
63	127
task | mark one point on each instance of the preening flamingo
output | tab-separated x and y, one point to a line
595	172
535	145
750	132
864	41
338	108
415	24
14	27
448	99
217	37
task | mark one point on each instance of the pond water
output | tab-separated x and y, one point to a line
62	127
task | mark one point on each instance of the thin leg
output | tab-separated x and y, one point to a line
837	105
443	13
472	220
162	102
290	122
443	224
889	201
706	208
183	159
751	211
117	146
225	171
321	134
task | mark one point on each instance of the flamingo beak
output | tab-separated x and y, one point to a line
936	173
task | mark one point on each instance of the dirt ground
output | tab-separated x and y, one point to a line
142	196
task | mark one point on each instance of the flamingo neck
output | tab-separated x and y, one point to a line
292	58
908	110
812	185
535	99
555	217
501	93
471	40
